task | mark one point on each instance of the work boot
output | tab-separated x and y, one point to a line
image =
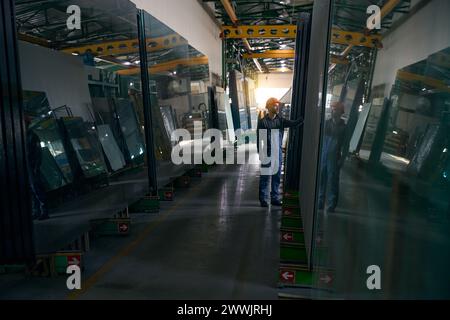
276	203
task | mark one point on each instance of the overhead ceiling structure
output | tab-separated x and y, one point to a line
261	30
108	34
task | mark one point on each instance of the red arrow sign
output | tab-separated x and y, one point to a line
287	236
287	276
74	260
168	194
123	227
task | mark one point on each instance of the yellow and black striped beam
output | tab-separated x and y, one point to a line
357	39
122	47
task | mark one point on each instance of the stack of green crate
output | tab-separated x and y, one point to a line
294	270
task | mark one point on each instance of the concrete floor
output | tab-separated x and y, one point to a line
382	222
212	242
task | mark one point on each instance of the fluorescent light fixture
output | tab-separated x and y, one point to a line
394	132
127	63
445	150
42	144
283	46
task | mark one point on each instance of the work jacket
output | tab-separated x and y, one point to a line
276	123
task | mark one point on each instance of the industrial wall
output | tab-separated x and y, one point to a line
61	76
272	85
424	33
275	80
192	22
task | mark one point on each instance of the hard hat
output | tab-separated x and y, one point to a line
272	102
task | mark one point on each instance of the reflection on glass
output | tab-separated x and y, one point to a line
86	146
55	166
110	147
130	129
239	107
392	198
179	76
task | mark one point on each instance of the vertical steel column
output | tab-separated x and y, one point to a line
16	237
294	153
224	63
148	124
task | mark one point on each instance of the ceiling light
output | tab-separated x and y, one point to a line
127	63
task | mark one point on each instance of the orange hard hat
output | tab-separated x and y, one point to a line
272	102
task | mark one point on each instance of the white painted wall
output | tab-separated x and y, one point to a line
190	20
425	33
61	76
270	85
275	80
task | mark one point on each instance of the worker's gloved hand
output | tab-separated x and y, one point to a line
301	121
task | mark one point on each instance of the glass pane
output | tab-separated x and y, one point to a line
86	146
383	198
88	81
110	147
179	78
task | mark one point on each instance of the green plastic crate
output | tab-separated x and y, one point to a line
166	194
291	222
288	236
111	227
148	204
293	254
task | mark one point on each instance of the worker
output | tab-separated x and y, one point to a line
272	121
331	159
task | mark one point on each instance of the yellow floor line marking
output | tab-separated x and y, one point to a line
124	251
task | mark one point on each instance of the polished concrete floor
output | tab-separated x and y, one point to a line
215	242
212	242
